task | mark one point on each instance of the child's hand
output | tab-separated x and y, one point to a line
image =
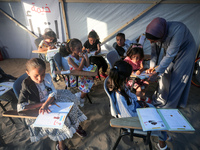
150	70
88	50
51	47
44	109
138	72
81	55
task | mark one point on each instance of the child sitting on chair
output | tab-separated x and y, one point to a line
77	61
38	92
47	44
135	57
93	44
125	101
122	44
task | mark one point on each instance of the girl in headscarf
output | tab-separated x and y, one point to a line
176	67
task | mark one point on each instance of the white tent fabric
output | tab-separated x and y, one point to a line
105	18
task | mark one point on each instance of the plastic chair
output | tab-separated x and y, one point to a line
58	60
123	131
112	57
17	85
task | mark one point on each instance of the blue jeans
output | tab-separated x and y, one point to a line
52	66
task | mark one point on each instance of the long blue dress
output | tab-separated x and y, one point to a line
176	66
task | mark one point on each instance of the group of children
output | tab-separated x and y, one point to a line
38	90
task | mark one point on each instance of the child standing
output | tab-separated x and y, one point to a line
126	101
47	44
93	44
135	57
38	92
77	60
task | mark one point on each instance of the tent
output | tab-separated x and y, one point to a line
107	17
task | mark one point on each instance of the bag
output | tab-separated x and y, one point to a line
6	77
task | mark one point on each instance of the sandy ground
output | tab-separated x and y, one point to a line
100	135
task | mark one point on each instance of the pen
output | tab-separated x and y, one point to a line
57	105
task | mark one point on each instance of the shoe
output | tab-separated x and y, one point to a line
78	94
80	132
55	80
148	100
82	100
57	147
164	148
169	138
104	75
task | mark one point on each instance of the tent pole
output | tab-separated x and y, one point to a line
122	27
18	23
64	19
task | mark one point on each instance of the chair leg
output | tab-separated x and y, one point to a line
119	138
2	143
5	110
88	98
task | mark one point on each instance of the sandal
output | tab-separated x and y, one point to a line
164	148
147	100
57	147
80	132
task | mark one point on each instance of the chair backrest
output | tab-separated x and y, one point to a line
113	109
58	60
18	84
61	63
112	57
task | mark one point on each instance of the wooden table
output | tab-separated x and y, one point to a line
80	73
32	114
134	123
128	122
39	52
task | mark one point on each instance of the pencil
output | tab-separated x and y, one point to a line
57	105
154	68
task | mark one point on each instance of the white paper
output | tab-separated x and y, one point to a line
174	119
52	52
88	68
56	118
143	75
151	119
65	72
5	86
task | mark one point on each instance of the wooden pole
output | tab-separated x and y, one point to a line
134	1
18	23
64	19
136	17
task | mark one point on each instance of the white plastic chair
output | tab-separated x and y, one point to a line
112	57
124	131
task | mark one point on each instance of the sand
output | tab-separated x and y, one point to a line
100	135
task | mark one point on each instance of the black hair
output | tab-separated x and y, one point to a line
135	49
73	43
35	63
64	49
50	34
93	34
118	76
121	35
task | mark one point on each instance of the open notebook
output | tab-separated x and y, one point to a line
163	119
56	118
